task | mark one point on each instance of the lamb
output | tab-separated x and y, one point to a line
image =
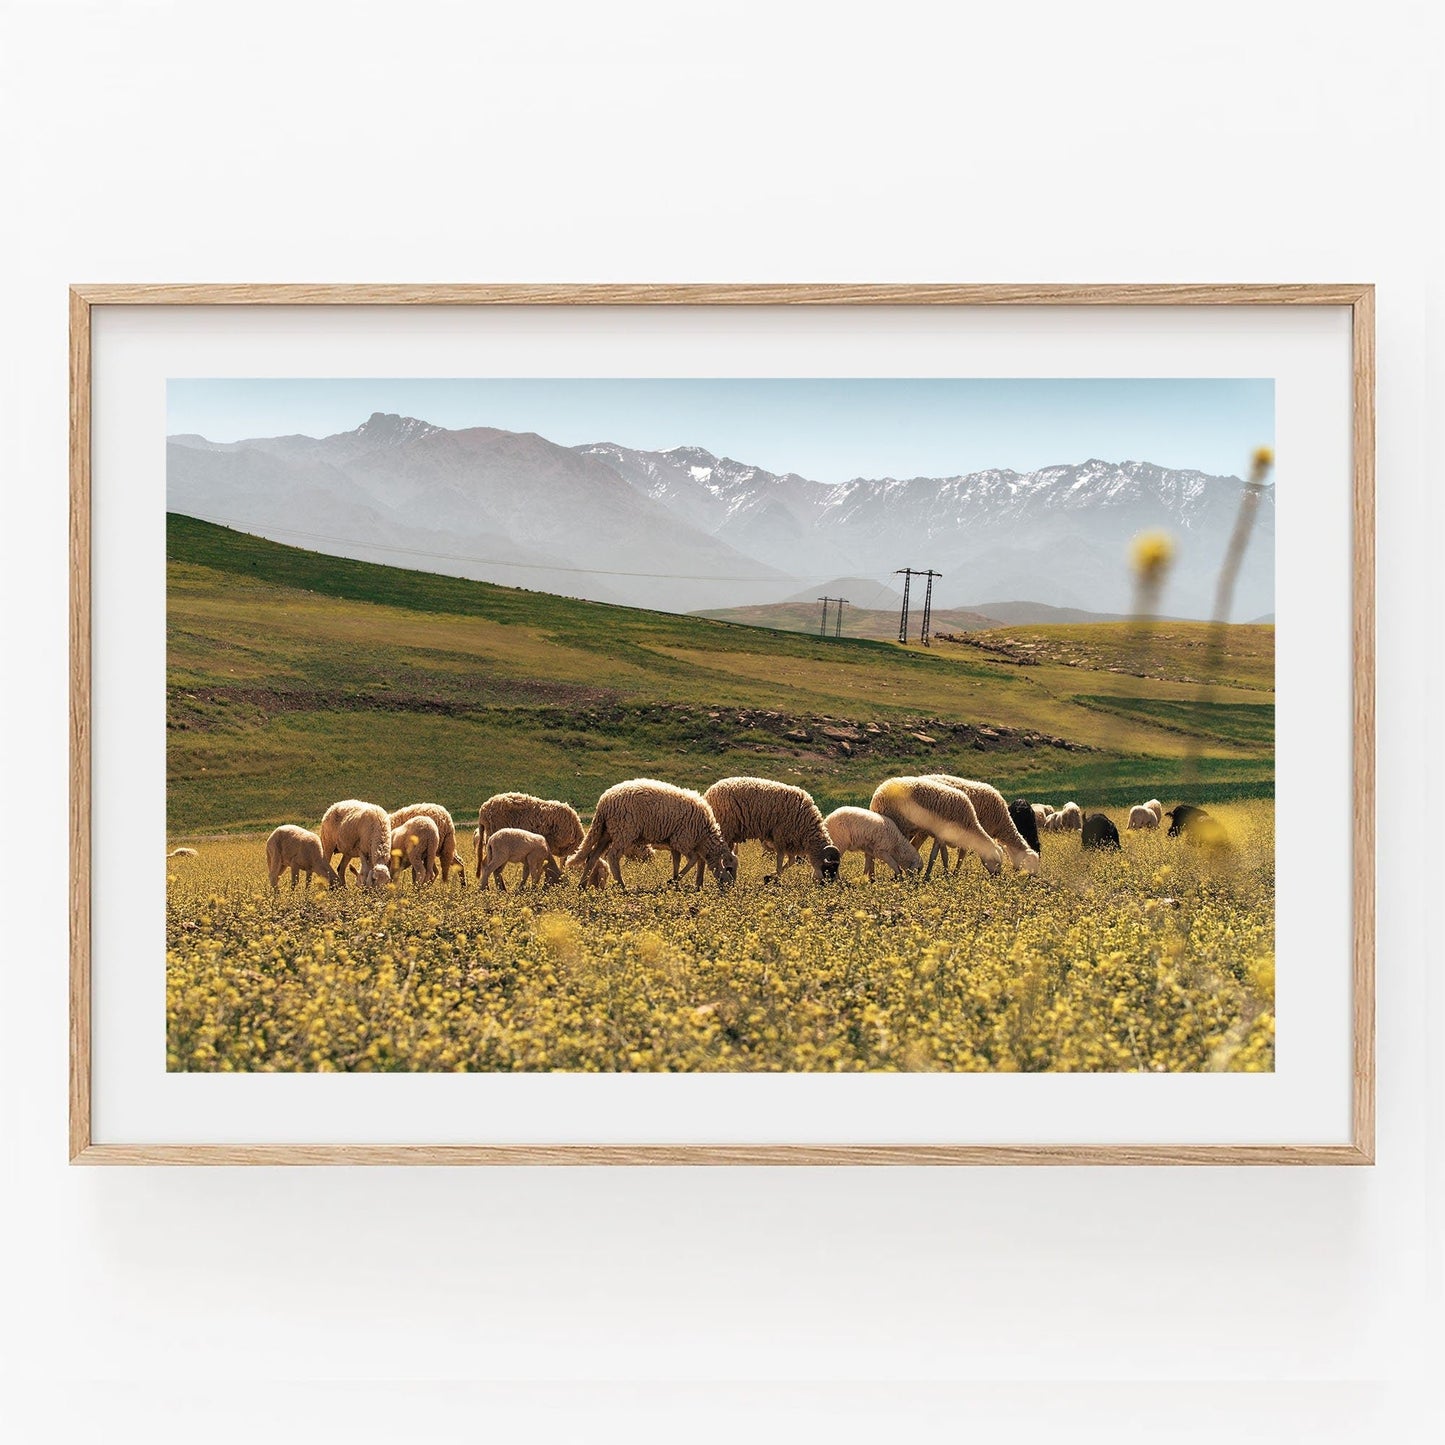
446	833
557	822
517	845
996	819
857	830
1141	815
925	805
182	853
1042	814
638	852
416	844
780	816
298	849
646	811
1099	832
358	830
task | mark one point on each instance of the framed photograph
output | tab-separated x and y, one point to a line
722	724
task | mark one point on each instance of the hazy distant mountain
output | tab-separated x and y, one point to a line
1059	535
501	506
684	530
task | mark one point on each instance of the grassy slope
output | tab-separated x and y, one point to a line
296	678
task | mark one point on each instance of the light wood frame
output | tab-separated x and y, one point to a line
1360	299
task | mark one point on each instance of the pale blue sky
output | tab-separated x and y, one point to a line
826	429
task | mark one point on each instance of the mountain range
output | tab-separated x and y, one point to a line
684	530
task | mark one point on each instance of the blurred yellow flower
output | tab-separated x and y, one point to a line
1152	552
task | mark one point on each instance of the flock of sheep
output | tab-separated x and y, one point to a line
701	832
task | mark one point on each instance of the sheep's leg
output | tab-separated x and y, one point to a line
614	862
345	864
869	863
701	869
932	857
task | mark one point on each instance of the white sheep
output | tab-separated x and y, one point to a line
1141	815
1069	819
416	844
182	853
995	820
646	811
859	830
924	805
446	835
358	830
557	822
298	849
1156	807
1042	814
777	815
517	845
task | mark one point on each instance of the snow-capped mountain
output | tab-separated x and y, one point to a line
1058	535
685	530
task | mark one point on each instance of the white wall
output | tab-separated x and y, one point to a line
1048	141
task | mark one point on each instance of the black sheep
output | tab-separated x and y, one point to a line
1022	812
1099	832
1185	817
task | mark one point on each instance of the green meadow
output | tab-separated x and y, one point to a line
295	679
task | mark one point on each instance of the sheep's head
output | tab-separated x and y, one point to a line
725	868
828	867
1029	863
380	876
551	873
994	861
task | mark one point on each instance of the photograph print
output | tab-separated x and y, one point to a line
730	725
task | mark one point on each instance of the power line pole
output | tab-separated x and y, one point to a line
907	574
838	625
823	626
925	634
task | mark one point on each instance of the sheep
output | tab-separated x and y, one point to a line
1183	818
1156	807
416	844
1026	821
1141	815
780	816
1069	819
557	822
517	845
446	834
358	830
857	830
1042	814
996	819
1198	827
1099	832
298	849
182	853
943	813
646	811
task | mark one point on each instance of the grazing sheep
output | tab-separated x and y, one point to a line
517	845
416	844
1042	814
646	811
1183	818
1069	819
1026	821
996	819
1156	807
1198	827
777	815
358	830
182	853
927	806
557	822
446	834
857	830
1141	815
1099	832
298	849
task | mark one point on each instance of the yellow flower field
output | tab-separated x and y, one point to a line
1160	959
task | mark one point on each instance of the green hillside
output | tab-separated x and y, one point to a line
296	678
